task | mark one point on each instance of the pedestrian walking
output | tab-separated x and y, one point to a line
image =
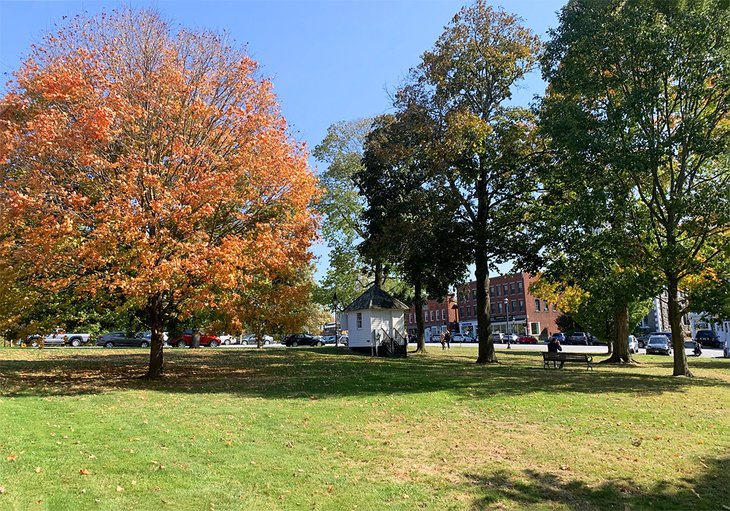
447	339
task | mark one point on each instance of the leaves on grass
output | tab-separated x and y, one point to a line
12	457
85	472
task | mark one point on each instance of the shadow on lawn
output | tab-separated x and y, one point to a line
317	373
708	491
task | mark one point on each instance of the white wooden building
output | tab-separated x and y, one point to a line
375	321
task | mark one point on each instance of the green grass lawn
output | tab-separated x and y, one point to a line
324	429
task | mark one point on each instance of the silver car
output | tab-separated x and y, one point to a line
633	344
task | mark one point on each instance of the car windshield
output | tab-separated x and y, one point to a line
659	340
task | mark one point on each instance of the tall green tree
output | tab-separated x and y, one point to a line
481	149
644	88
341	207
409	223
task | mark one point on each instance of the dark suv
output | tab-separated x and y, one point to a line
295	340
708	338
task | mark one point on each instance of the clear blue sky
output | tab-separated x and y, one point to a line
329	60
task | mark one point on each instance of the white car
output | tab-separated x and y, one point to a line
227	340
462	338
633	344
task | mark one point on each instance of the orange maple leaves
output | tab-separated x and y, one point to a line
160	164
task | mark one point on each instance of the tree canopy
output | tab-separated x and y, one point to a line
152	164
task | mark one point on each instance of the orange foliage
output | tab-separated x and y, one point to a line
154	164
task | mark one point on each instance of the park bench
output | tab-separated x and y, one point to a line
548	357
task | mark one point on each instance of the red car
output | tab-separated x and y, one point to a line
526	339
205	340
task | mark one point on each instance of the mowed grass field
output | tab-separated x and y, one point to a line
324	429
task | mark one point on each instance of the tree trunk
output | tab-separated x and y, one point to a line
675	320
154	317
484	320
379	275
418	306
620	353
156	352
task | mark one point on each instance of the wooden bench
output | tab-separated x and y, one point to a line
548	357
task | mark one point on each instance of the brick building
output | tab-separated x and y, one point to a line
438	315
513	308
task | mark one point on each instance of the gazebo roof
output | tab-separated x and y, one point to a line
374	298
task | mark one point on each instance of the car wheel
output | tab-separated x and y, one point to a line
144	345
320	343
213	344
181	344
267	343
294	344
108	344
76	342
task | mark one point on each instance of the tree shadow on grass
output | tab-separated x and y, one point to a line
533	490
316	373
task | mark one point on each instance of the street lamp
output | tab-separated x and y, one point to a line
509	333
337	330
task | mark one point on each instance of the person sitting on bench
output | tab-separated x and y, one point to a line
553	347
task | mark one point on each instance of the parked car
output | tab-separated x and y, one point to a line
642	340
120	338
186	340
709	339
59	337
497	337
633	344
227	340
526	339
559	336
461	338
252	339
295	340
510	338
658	344
583	338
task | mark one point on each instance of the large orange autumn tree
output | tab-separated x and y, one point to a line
152	164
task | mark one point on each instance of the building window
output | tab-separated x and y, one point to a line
468	310
522	305
535	328
504	289
499	307
537	305
474	294
491	290
425	315
431	315
443	315
514	305
410	317
359	320
492	308
497	289
511	288
547	307
519	287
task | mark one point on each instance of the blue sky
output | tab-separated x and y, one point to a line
329	60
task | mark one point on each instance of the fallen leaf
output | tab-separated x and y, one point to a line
119	488
38	470
84	472
12	457
2	490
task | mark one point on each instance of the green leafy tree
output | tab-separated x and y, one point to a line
480	149
409	223
341	207
643	88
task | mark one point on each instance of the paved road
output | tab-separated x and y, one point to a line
600	349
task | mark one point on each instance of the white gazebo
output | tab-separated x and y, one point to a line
375	322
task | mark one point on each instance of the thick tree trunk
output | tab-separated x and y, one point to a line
675	320
418	307
620	353
156	352
154	316
484	320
